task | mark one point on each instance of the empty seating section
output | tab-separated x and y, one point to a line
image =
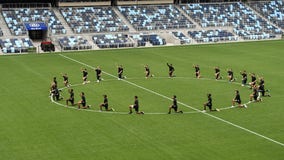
154	39
212	36
74	43
150	17
272	10
16	17
183	39
112	41
244	21
93	19
15	45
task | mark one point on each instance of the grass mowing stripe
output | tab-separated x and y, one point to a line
151	91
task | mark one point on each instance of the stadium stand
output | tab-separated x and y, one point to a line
271	10
152	17
178	24
154	39
74	43
244	21
15	45
212	36
183	39
112	41
15	19
93	19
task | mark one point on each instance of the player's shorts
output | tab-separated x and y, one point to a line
83	104
84	78
71	100
255	97
136	108
147	74
106	106
238	101
209	105
174	107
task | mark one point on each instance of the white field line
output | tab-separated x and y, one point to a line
163	96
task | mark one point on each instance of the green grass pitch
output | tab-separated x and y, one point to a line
32	127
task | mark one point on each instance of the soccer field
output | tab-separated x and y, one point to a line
33	127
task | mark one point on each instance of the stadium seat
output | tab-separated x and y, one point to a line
74	43
15	19
271	10
93	19
152	17
245	22
15	45
112	41
183	39
212	36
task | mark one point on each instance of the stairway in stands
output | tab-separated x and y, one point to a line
63	22
4	27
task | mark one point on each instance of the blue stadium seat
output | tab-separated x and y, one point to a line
272	10
152	17
244	21
112	41
93	19
212	36
74	43
15	19
15	45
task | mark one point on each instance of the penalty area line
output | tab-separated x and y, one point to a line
163	96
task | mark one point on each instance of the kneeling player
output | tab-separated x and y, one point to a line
82	103
244	77
135	106
237	100
197	71
174	106
105	104
209	104
254	95
65	80
230	75
71	98
147	71
217	73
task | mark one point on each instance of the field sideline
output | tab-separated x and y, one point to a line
34	128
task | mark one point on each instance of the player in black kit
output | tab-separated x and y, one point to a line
197	71
65	80
54	81
120	72
71	98
174	106
85	76
83	103
147	71
254	95
135	106
217	73
253	80
244	77
171	70
98	73
105	104
209	104
230	75
238	100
